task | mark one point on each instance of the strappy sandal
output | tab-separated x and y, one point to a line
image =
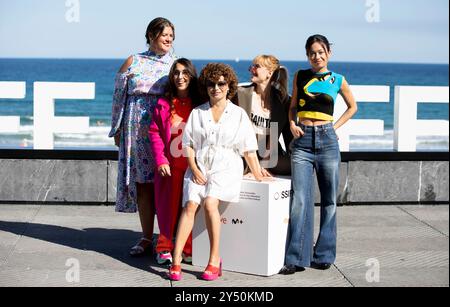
143	247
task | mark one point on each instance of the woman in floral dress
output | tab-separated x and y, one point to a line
139	84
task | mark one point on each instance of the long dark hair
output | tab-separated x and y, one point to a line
317	38
171	89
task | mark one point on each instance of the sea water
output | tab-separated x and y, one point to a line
102	72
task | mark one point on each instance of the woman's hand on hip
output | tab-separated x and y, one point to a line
296	131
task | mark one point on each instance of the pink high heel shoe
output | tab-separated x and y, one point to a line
175	272
215	272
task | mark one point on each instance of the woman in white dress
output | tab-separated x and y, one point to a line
217	135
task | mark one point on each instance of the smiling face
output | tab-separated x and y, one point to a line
163	43
318	57
181	79
217	90
259	73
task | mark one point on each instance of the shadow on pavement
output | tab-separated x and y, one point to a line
114	243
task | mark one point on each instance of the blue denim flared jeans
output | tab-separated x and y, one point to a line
317	150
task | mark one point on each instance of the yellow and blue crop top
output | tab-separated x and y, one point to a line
316	94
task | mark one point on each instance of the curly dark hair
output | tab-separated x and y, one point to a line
212	73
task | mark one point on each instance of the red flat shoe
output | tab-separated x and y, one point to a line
175	272
214	272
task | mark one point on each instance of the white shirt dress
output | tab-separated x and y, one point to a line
219	148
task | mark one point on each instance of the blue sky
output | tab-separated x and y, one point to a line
409	31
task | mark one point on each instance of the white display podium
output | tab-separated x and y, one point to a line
253	231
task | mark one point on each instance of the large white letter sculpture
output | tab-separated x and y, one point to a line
362	93
45	121
406	125
11	90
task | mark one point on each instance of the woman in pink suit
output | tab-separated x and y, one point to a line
169	117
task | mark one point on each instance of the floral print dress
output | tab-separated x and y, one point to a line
136	93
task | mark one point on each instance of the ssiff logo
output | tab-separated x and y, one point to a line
283	194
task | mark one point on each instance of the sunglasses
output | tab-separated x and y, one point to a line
220	84
254	67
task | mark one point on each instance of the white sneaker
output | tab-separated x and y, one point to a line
164	257
186	258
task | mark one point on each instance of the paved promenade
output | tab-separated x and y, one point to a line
377	246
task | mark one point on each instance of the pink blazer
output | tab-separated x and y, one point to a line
159	133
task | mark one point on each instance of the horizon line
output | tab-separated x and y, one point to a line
237	60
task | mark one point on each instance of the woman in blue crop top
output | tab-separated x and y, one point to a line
315	148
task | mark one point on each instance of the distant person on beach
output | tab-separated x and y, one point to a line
315	148
166	130
217	135
267	102
141	81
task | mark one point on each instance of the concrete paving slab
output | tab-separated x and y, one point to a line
88	278
17	218
408	243
403	277
375	246
361	216
392	259
307	278
436	218
81	217
389	232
